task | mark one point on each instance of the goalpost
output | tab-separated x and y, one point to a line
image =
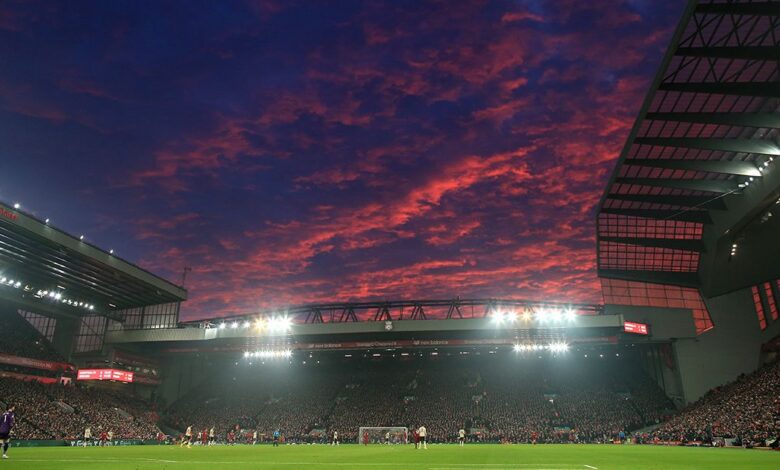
384	435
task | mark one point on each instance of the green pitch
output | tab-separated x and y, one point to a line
352	457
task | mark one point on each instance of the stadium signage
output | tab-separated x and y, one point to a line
8	214
105	374
636	328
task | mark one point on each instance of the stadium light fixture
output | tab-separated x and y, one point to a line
542	314
234	325
556	315
527	315
280	324
569	315
517	347
17	205
504	316
270	354
221	326
558	347
81	237
111	251
246	324
46	221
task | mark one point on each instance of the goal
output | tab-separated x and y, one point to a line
384	435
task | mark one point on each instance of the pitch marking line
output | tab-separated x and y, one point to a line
592	467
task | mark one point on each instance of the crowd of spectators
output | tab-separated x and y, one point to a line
747	410
574	402
63	411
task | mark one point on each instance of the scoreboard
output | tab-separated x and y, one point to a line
636	328
105	374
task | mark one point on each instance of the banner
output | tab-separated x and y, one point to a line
35	363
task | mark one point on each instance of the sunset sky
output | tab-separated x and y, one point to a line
295	152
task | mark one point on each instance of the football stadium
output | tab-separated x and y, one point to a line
363	346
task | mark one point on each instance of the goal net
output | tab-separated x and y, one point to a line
383	435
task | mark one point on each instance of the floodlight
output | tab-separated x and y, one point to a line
556	315
279	324
221	326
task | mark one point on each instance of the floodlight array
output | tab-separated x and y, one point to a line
55	296
276	324
552	316
559	347
269	354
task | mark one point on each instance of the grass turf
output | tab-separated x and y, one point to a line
437	457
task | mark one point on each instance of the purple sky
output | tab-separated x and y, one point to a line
292	152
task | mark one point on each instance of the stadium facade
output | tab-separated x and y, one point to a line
688	255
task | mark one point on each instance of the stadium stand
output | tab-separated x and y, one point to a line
575	402
62	412
747	409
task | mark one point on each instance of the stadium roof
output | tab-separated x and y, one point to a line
40	259
708	128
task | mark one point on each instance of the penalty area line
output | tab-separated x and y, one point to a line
591	467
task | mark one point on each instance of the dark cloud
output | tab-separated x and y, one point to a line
294	152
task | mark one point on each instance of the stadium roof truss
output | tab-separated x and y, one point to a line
41	258
447	309
709	126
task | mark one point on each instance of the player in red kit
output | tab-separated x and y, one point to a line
416	437
204	437
103	438
365	438
533	437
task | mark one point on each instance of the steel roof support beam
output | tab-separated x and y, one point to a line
760	9
767	89
765	147
712	166
671	243
736	52
714	186
704	202
702	217
653	277
767	120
